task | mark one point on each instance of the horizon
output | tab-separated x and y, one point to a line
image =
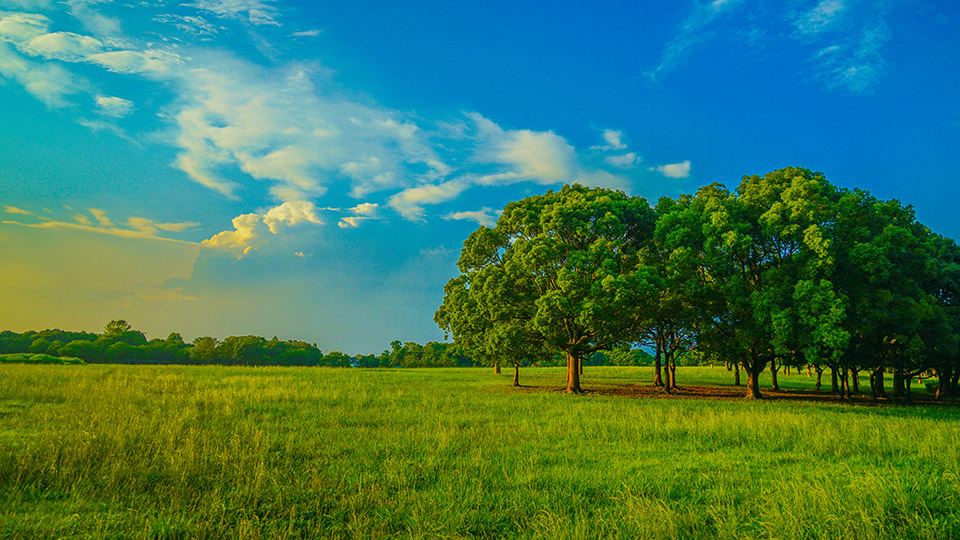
260	167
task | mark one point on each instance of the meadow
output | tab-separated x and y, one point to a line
113	451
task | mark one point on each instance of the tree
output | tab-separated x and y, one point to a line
558	270
116	328
758	243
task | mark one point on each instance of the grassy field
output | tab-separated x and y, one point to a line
101	451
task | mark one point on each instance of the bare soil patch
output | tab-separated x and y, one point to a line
738	393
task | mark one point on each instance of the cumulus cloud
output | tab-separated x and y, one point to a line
542	157
246	229
623	161
485	216
674	170
291	213
612	139
362	212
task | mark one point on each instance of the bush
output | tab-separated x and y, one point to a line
28	358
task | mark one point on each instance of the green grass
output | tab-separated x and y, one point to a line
29	358
216	452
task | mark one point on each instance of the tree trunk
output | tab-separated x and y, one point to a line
753	380
808	371
657	377
516	374
773	376
844	384
955	382
580	365
496	368
671	366
898	389
879	390
573	375
855	377
819	378
728	366
736	374
834	380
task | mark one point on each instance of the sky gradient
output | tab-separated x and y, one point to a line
310	170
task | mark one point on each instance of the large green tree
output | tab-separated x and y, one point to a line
559	269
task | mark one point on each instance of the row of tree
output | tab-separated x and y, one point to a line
121	344
786	270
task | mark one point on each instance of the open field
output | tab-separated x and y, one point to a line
107	451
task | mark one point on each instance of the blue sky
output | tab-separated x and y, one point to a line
310	170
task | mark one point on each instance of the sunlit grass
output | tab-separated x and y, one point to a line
214	452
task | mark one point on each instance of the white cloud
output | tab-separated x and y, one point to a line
623	161
362	212
65	46
674	170
542	157
47	82
485	216
409	202
22	27
114	106
854	66
247	229
291	213
306	33
820	17
365	209
257	12
136	62
694	31
612	139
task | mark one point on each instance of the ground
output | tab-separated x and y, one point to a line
209	452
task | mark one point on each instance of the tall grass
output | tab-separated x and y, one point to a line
103	451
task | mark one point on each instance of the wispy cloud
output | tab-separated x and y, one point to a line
695	30
485	216
256	12
114	106
854	60
306	33
14	210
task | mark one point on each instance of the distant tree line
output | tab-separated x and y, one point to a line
786	270
121	344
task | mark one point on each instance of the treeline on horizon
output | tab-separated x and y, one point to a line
121	344
785	270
